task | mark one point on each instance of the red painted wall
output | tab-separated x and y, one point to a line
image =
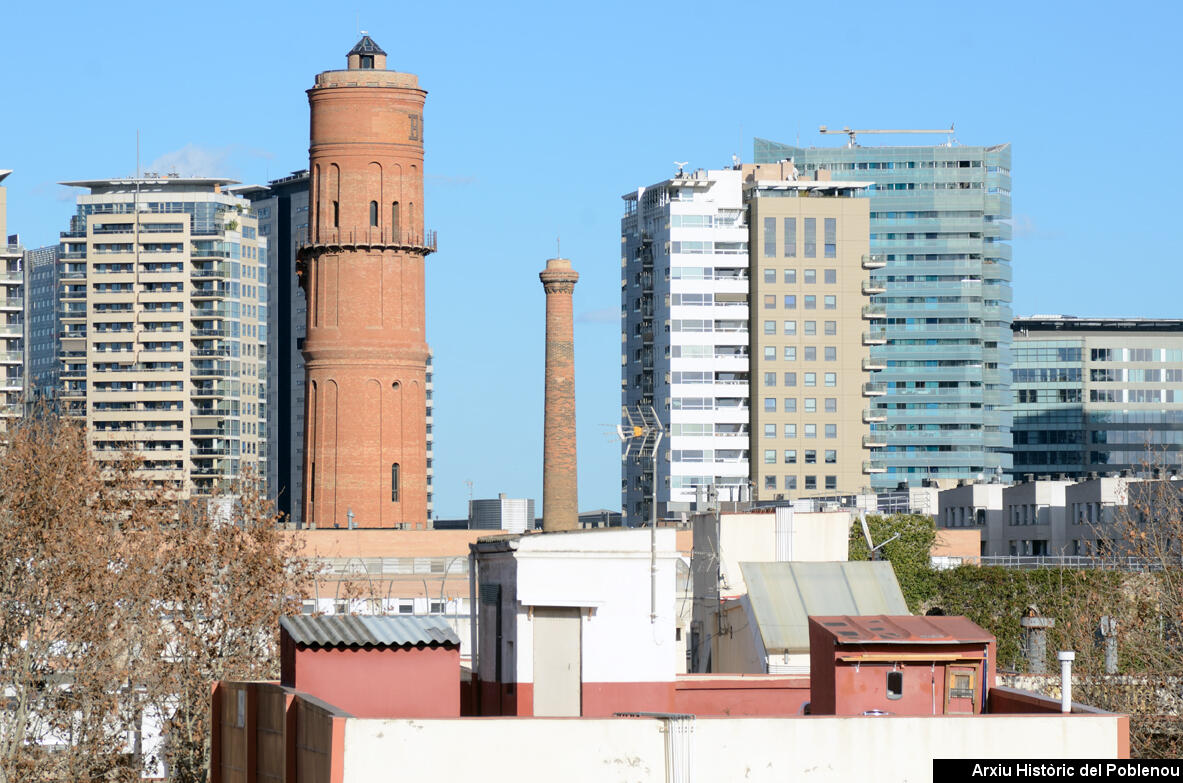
604	699
740	695
385	683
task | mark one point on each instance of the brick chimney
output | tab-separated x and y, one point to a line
560	502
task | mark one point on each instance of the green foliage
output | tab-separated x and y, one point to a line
908	554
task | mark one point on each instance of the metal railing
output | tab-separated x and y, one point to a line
1067	561
369	236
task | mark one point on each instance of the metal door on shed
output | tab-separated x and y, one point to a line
557	663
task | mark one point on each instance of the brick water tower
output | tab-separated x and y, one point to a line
361	268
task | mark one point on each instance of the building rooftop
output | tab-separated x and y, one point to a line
1070	323
153	181
369	631
366	46
881	629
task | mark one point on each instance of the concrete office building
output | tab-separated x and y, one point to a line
164	327
1100	395
700	250
938	220
362	269
810	354
12	318
43	321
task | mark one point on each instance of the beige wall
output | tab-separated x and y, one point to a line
755	749
768	310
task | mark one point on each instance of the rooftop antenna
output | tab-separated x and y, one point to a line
852	134
558	246
681	166
641	432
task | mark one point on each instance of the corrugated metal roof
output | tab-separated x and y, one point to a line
880	629
784	595
342	630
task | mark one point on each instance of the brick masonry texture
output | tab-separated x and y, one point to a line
560	501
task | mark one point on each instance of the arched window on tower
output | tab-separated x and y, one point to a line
373	213
394	227
336	214
367	61
394	482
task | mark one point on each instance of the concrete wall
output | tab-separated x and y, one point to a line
755	749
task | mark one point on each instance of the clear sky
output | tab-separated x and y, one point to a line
540	115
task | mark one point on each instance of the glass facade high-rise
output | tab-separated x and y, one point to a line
43	345
940	229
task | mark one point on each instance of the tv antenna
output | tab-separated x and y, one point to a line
641	432
681	166
862	518
852	134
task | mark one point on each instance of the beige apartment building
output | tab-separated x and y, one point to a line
163	343
12	319
811	325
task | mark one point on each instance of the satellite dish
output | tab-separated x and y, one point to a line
862	518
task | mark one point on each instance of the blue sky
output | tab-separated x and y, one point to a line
540	115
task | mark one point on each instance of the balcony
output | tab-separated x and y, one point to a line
874	389
872	287
382	238
874	364
874	312
874	466
12	277
209	271
874	261
210	292
205	333
877	337
11	330
208	312
874	415
874	441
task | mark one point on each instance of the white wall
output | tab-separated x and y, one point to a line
750	749
814	536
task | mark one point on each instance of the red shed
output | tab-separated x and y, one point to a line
904	665
374	666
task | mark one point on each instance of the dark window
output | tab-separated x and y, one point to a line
367	61
373	213
895	685
394	482
336	214
394	218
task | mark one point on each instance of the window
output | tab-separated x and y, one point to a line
394	218
790	353
769	237
831	237
810	302
831	379
811	353
770	353
811	327
810	276
790	327
336	214
769	275
770	405
811	237
811	404
770	430
831	353
770	327
895	685
770	301
811	379
811	482
831	430
790	302
811	430
790	404
373	213
790	379
769	379
831	404
790	482
831	456
769	456
830	276
810	456
367	61
790	456
770	482
791	276
394	482
790	430
831	327
831	482
830	302
790	238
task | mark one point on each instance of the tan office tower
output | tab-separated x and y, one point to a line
811	325
560	498
365	455
163	343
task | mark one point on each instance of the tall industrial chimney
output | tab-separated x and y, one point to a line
560	501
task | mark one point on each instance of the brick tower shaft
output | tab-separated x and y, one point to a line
560	500
362	269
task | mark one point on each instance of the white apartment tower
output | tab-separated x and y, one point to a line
684	297
164	297
11	318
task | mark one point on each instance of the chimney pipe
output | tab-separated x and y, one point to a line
560	504
1066	658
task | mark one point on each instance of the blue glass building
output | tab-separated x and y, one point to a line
940	227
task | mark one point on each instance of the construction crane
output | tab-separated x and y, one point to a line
854	133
